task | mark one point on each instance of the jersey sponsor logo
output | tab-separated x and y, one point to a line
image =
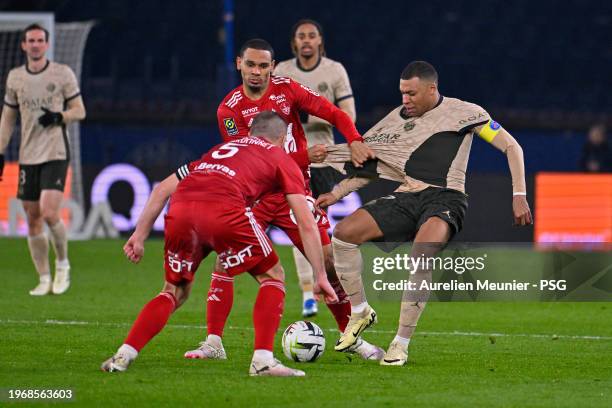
230	126
472	118
250	111
178	265
382	138
229	259
278	98
494	125
218	168
309	90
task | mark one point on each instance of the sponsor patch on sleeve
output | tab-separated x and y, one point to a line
230	126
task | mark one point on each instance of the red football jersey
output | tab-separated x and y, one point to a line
239	172
287	98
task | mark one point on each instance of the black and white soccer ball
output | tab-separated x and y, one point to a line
303	341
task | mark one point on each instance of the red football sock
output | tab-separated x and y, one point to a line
152	318
342	309
267	313
219	303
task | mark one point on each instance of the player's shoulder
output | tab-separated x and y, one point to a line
280	81
285	66
464	113
330	63
58	67
17	72
232	99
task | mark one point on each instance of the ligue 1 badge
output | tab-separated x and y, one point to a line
230	126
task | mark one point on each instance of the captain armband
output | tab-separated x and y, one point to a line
490	130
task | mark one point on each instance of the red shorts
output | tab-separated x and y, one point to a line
274	210
195	228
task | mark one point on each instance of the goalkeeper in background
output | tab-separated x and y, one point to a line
46	95
329	78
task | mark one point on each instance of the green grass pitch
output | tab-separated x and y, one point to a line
540	356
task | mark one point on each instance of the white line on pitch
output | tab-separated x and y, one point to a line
201	327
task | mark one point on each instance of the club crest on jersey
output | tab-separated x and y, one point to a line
286	109
408	126
51	87
230	126
322	87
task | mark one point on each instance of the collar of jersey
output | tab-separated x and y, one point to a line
403	116
39	72
301	68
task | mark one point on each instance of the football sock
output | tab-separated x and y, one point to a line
263	355
60	241
304	272
359	308
349	263
39	250
128	351
219	303
152	318
402	340
267	313
342	309
307	295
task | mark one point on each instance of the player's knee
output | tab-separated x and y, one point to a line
276	272
346	232
50	217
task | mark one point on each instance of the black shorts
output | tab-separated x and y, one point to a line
33	178
400	215
323	180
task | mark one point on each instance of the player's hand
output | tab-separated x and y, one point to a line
50	118
1	165
322	287
134	248
325	200
317	153
520	208
360	152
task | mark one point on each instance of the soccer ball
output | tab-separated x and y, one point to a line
303	341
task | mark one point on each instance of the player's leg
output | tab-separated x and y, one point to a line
349	234
267	313
150	321
430	239
38	243
52	180
219	301
306	281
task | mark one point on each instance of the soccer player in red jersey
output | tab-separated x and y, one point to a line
210	210
260	91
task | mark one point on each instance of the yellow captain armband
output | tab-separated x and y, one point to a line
490	130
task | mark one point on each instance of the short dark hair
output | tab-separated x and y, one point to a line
301	22
257	44
420	69
268	124
33	27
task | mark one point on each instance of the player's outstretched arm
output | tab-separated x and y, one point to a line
309	233
502	140
7	125
134	247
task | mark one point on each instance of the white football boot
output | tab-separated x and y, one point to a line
273	368
61	282
43	288
207	350
366	350
356	325
117	363
396	355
